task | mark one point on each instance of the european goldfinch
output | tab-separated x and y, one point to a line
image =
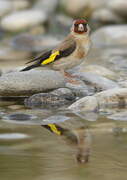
69	53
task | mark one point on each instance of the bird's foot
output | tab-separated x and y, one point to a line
70	78
66	74
73	81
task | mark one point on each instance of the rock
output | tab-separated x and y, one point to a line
47	6
0	73
105	16
112	57
20	4
98	82
80	8
99	70
32	43
113	35
116	97
9	53
120	116
123	84
98	4
61	24
16	107
86	104
64	92
30	82
5	7
38	30
5	101
64	20
46	100
119	63
21	20
119	6
80	90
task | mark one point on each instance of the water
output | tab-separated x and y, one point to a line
29	151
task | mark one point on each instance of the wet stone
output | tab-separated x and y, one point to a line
116	97
16	107
19	117
64	92
80	90
30	82
98	82
86	104
46	100
99	70
112	56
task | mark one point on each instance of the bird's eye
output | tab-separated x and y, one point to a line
76	25
84	24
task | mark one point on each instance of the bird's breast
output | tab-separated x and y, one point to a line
82	49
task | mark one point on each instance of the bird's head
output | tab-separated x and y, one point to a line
80	26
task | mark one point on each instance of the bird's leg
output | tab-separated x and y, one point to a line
69	77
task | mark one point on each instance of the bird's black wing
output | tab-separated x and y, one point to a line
51	56
42	56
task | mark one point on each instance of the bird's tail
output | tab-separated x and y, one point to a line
29	67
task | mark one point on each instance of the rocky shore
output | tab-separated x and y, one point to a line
35	25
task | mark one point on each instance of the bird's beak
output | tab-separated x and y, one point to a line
80	27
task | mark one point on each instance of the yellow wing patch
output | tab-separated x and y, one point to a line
54	129
51	58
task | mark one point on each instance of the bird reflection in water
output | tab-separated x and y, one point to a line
80	139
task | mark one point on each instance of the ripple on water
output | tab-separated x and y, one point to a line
12	136
29	119
55	119
20	118
120	116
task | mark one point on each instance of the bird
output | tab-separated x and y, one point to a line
68	53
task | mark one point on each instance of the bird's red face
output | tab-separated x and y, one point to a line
80	26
